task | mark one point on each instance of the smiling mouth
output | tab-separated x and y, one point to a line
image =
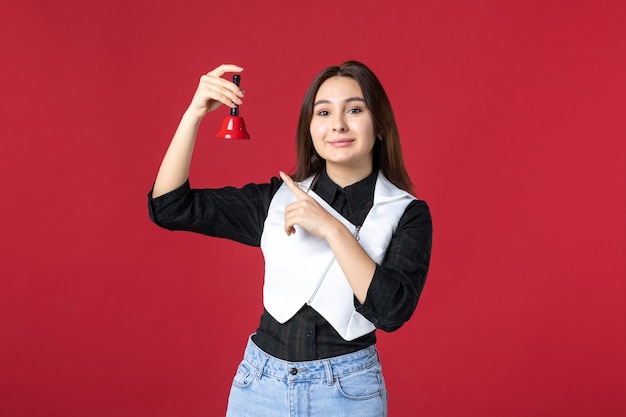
341	142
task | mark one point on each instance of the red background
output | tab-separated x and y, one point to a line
512	118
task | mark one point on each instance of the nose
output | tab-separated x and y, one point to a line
339	123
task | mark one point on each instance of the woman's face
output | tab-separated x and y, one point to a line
342	127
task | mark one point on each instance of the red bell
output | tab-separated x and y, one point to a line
233	126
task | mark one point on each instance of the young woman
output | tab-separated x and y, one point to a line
346	245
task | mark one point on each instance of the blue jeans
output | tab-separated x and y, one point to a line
347	385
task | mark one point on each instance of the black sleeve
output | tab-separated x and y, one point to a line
232	213
398	281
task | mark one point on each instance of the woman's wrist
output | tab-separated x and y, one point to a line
337	232
193	116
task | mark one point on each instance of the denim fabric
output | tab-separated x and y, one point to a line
347	385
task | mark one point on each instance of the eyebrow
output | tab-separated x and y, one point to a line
348	100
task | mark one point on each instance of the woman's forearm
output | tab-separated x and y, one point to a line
174	169
355	263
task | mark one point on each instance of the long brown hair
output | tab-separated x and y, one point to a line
387	150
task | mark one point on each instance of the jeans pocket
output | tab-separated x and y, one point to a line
362	385
244	376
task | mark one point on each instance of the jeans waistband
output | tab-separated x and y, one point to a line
328	369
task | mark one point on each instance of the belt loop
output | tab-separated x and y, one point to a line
329	373
259	373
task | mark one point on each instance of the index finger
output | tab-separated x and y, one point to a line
297	191
224	68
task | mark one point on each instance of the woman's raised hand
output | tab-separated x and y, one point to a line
307	213
213	91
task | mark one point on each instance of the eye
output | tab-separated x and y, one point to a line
355	110
323	113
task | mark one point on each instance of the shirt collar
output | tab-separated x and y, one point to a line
357	194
